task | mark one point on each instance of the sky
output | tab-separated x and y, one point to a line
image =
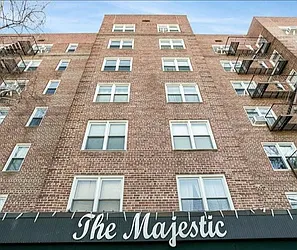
206	17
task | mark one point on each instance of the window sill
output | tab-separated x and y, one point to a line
183	102
281	170
189	150
104	151
111	102
10	171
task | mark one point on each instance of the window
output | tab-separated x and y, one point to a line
203	193
291	196
168	28
2	201
241	87
42	48
29	65
123	28
17	157
289	30
112	93
121	44
105	135
182	92
187	135
97	194
117	64
231	66
12	86
3	114
292	79
220	49
36	117
176	64
278	153
275	57
71	47
258	116
51	87
260	41
171	43
63	64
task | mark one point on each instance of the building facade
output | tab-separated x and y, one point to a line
146	116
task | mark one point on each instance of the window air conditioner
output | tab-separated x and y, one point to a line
259	120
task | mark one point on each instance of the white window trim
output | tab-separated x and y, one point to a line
232	64
41	48
171	42
98	186
182	90
175	63
277	144
279	57
4	197
6	109
70	45
33	114
203	196
245	89
287	194
168	30
191	134
11	156
257	109
29	64
117	63
124	27
90	122
121	42
292	72
114	84
49	83
224	48
61	61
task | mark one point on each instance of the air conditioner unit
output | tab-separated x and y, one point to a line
288	30
259	120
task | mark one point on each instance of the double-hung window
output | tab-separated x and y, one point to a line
171	43
182	92
2	201
29	65
176	64
123	28
42	48
278	153
168	28
117	64
3	113
63	65
275	57
121	44
292	79
292	198
220	49
17	157
203	193
96	194
112	92
187	135
241	87
231	66
71	47
51	87
36	117
258	116
105	135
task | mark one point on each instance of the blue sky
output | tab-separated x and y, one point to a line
206	17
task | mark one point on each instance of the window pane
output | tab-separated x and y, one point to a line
184	68
121	89
191	98
125	63
105	89
203	142
117	129
40	112
85	189
82	206
94	143
97	130
214	188
190	89
50	91
21	152
287	150
109	206
182	142
271	150
292	200
15	164
103	98
110	62
277	163
116	142
120	98
115	43
169	62
54	84
111	189
192	205
180	129
218	204
174	98
199	129
189	188
173	90
35	122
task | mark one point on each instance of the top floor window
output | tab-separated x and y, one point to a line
72	47
289	30
231	66
42	48
171	44
220	49
29	65
123	28
275	57
121	44
176	64
168	28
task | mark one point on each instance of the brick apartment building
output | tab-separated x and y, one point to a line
146	116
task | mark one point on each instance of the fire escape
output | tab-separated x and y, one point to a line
12	51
